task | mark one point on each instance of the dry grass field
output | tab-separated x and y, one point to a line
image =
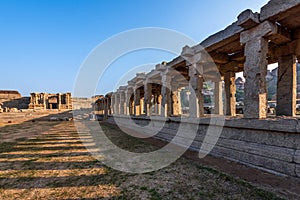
46	160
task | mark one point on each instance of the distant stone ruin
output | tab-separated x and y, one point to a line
50	101
12	100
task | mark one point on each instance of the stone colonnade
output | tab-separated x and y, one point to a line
249	45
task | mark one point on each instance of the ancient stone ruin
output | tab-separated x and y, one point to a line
248	45
50	101
12	100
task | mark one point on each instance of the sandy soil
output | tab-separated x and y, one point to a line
47	160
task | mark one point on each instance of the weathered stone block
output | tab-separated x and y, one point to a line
259	161
276	8
297	157
298	170
274	152
247	19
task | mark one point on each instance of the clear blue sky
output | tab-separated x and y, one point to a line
43	43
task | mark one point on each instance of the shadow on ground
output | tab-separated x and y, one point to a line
47	160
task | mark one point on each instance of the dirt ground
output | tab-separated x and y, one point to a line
42	159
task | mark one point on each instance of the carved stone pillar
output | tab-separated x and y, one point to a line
113	104
196	98
255	69
286	86
127	101
117	104
105	108
218	97
156	104
178	94
44	101
137	102
122	103
166	102
176	101
59	101
230	90
147	98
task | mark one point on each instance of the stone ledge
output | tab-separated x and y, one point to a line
276	124
275	8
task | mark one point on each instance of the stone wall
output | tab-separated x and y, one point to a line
9	94
13	99
270	145
20	103
82	103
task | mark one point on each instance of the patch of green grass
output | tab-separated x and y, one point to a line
257	191
143	188
154	194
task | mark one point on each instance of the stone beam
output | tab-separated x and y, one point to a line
277	34
238	57
286	49
230	67
276	9
263	30
296	34
220	39
220	58
247	19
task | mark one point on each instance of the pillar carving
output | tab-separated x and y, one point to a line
255	69
196	98
286	86
230	90
166	103
218	97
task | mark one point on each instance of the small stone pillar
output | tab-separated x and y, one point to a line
113	103
286	86
117	104
156	104
176	101
127	102
147	98
109	105
69	100
218	97
122	103
44	101
105	108
58	101
196	98
137	97
159	102
35	99
178	94
142	108
230	90
166	102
